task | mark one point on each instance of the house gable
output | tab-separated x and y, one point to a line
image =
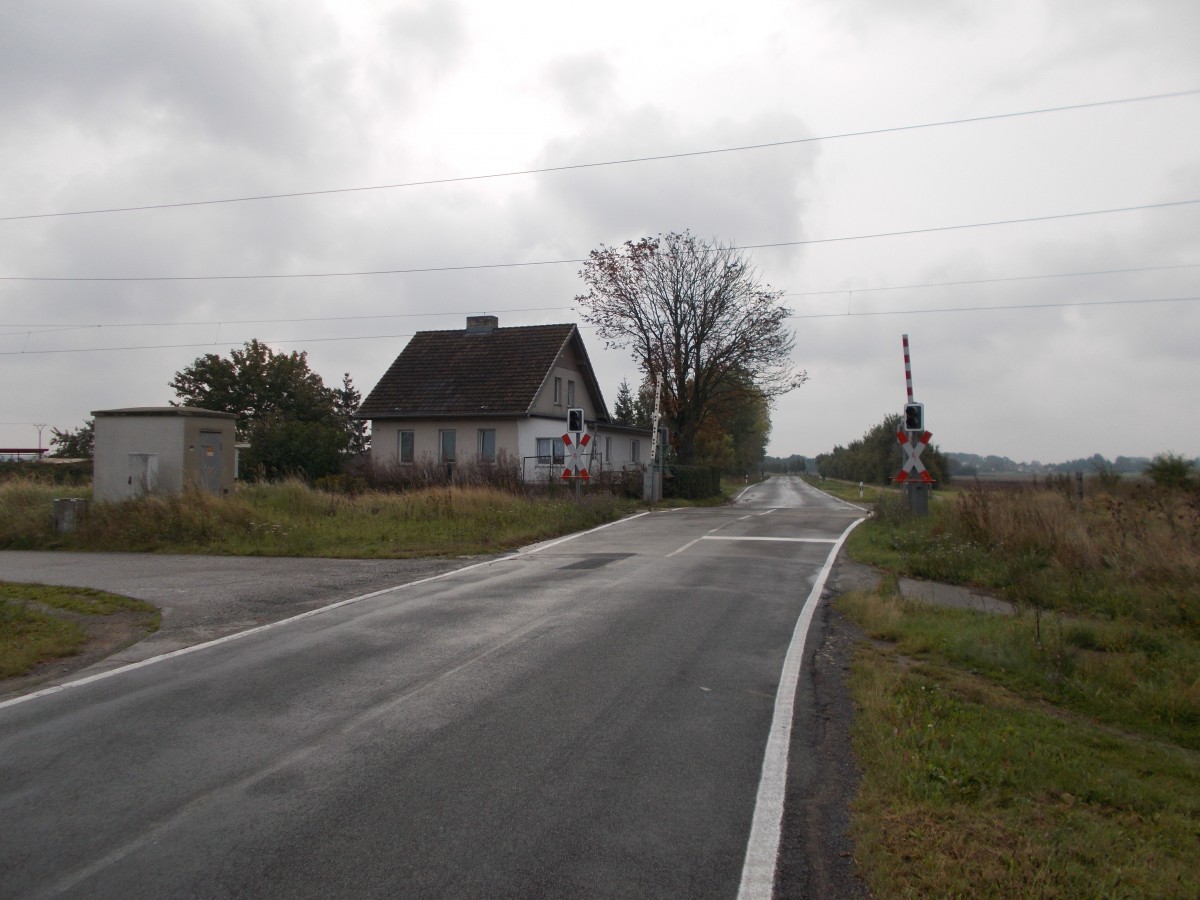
507	389
486	371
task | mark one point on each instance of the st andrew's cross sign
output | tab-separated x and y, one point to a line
912	458
575	453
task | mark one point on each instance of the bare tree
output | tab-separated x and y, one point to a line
695	314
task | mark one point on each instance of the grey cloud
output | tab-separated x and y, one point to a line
747	196
432	32
217	72
584	83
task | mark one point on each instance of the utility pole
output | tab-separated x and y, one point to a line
39	426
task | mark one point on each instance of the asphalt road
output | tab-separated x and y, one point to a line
586	718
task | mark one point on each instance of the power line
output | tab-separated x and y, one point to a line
33	329
257	277
316	340
1014	306
929	284
845	315
556	262
612	162
23	329
1022	221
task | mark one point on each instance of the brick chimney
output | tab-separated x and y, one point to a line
482	324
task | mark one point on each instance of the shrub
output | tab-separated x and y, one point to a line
692	483
1169	470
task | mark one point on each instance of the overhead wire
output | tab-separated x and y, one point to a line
554	262
611	162
973	281
839	315
1000	307
208	323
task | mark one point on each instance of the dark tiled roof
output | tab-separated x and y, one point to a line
456	373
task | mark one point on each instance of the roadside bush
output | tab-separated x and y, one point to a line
504	474
1171	471
72	473
692	483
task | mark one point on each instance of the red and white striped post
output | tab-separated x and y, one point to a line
912	444
908	369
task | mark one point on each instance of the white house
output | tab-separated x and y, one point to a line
470	396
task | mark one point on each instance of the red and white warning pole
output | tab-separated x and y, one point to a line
908	369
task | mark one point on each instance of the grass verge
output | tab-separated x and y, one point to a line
291	519
973	790
41	623
1052	753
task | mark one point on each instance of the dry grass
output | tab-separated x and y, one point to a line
1137	532
292	519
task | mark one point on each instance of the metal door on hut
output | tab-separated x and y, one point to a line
210	461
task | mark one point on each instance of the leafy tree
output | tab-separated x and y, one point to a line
734	437
695	315
294	423
794	464
1170	470
76	443
254	382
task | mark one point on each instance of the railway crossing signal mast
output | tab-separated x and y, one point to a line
913	439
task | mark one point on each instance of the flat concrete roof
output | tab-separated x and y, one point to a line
184	411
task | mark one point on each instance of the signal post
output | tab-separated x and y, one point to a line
913	439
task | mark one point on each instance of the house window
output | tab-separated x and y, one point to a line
446	445
549	450
406	446
635	451
558	392
570	393
487	444
608	448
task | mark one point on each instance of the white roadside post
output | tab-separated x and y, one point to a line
652	480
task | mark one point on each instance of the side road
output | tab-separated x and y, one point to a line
203	597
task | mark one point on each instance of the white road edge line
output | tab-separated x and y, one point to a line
746	537
538	548
183	651
762	850
839	499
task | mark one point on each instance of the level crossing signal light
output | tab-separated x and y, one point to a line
914	417
575	420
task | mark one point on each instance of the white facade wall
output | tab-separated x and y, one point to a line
385	439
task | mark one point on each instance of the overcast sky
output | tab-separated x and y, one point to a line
130	103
